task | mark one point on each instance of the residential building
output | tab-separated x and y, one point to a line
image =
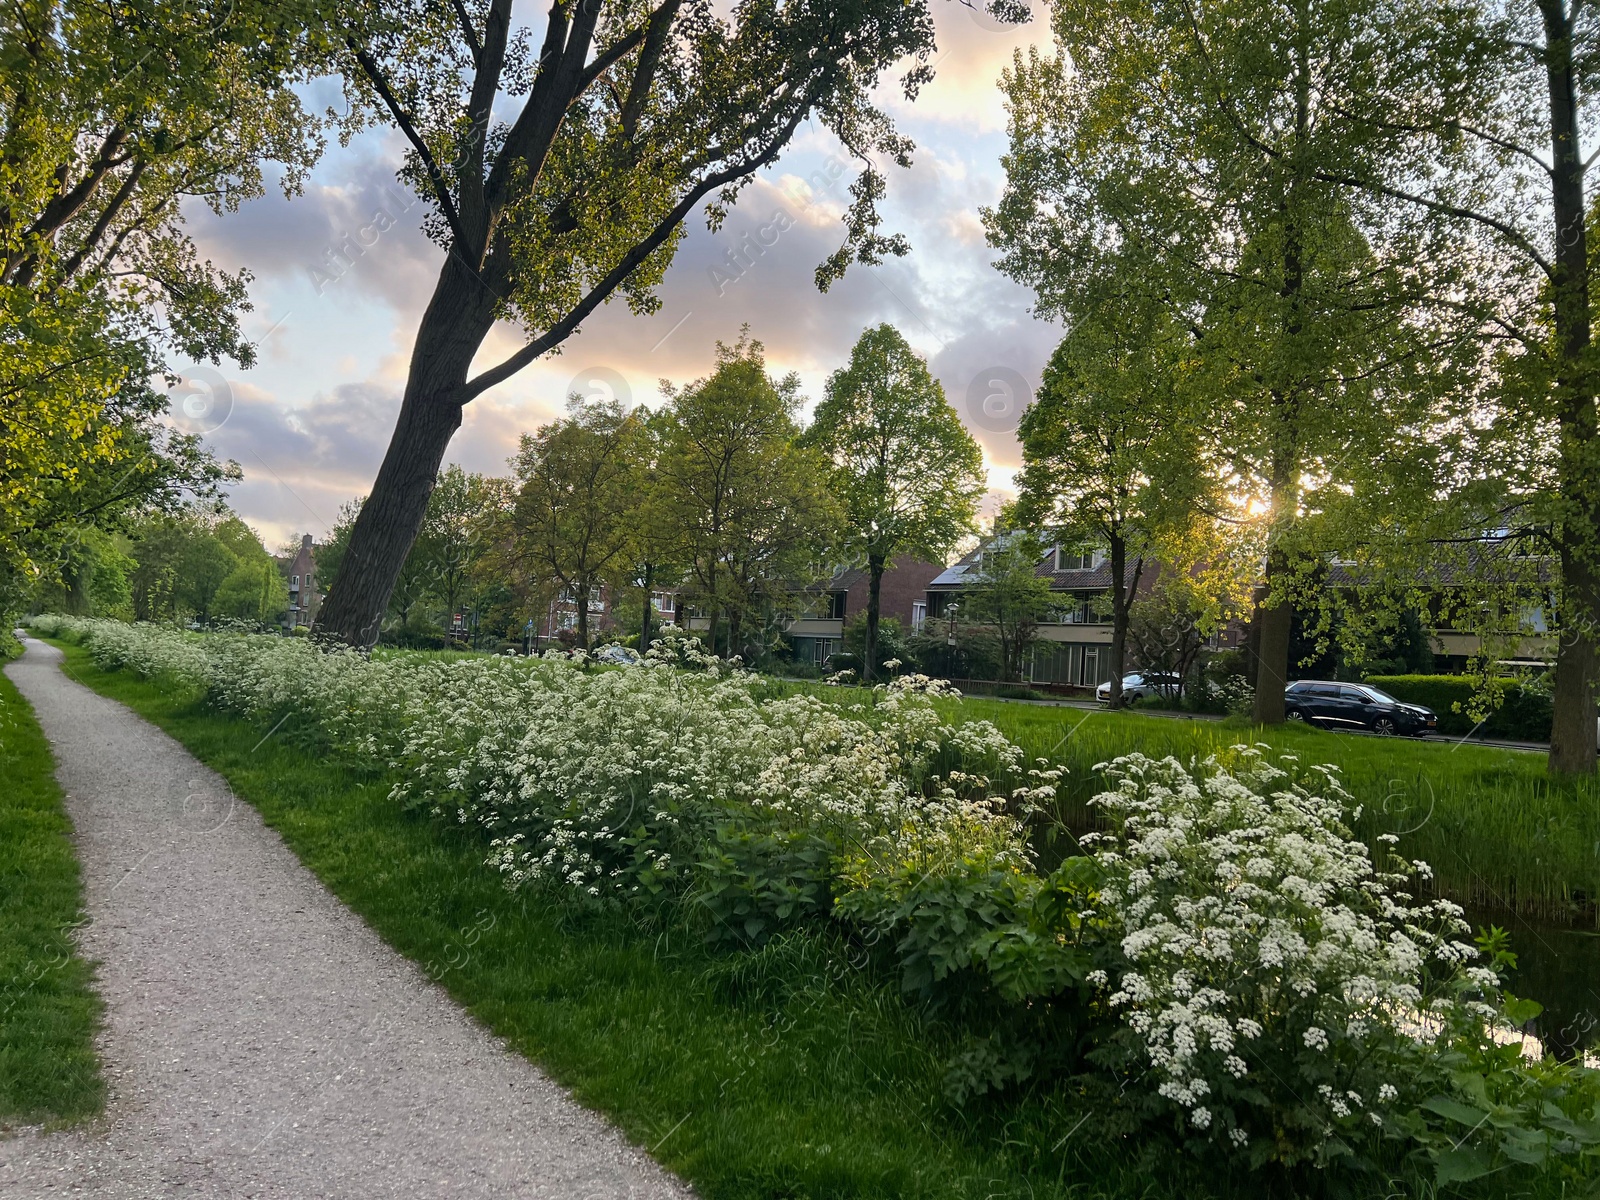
305	598
1073	644
817	632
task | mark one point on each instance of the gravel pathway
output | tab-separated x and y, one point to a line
260	1040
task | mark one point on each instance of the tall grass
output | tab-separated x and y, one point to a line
1498	831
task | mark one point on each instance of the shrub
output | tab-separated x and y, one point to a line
1520	712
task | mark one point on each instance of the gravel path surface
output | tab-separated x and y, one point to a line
260	1040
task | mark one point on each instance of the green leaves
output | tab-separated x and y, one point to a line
906	470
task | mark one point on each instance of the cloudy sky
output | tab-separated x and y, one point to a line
310	421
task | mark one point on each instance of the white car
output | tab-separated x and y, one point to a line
1139	686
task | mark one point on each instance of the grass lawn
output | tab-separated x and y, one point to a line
48	1013
787	1073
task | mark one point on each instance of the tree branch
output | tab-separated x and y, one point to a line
118	201
480	109
468	32
566	47
553	336
440	187
1504	229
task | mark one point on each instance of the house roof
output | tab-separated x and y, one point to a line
1097	578
1453	564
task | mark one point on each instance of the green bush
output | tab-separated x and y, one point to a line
1523	713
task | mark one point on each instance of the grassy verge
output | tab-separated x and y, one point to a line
1501	835
48	1012
787	1073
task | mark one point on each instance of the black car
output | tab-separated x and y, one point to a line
1356	706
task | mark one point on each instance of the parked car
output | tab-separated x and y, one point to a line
617	655
1356	706
1139	686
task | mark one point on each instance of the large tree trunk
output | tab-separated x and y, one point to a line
644	618
457	320
1572	729
1275	614
869	657
1124	591
581	592
1273	619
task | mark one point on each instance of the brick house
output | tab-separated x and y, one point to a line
1073	645
300	569
902	594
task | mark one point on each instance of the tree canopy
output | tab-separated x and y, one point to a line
905	470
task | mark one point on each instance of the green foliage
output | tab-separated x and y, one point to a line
751	504
114	118
756	882
892	644
1225	167
203	565
1009	597
578	484
254	591
49	1013
1520	712
906	472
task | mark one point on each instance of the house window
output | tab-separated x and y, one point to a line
919	615
824	649
294	582
661	601
1074	560
836	606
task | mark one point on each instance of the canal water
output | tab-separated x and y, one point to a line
1560	968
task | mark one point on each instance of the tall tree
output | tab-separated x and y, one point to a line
1499	130
905	469
1203	139
456	534
632	115
111	118
657	550
578	482
1111	447
752	503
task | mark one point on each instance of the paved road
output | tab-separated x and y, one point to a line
260	1040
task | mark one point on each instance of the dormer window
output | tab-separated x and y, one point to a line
1074	560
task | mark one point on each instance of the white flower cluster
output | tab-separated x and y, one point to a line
1263	948
610	781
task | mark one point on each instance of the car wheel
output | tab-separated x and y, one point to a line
1295	715
1383	726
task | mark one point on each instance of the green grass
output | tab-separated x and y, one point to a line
48	1013
1497	830
1500	834
787	1073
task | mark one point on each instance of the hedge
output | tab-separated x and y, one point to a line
1523	715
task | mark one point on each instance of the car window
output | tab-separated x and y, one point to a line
1323	689
1355	694
1380	694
